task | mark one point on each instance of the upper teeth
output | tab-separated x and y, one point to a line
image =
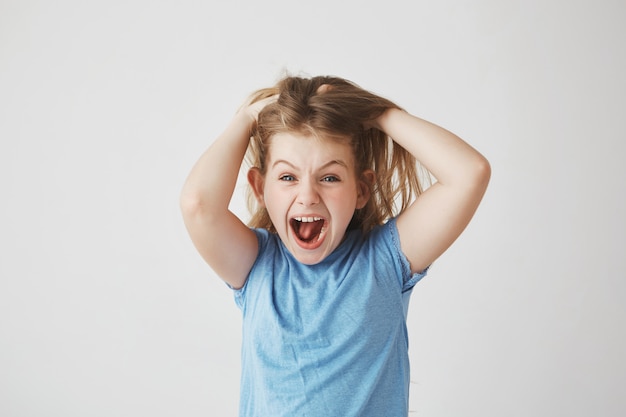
308	219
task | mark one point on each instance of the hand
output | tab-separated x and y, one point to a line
252	110
377	122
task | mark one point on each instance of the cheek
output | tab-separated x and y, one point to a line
275	201
344	202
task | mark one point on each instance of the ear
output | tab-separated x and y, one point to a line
257	181
364	187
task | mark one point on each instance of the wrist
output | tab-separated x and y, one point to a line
244	119
382	121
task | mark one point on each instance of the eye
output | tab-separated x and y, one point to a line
287	178
330	178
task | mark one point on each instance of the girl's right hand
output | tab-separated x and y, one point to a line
252	110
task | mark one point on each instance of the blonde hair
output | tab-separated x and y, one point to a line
339	111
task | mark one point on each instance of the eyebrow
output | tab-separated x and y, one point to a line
326	165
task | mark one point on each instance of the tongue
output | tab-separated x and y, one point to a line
307	231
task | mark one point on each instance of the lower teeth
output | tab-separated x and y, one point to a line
321	234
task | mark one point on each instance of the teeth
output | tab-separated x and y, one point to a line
308	219
322	232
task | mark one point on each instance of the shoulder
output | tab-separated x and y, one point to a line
268	255
384	236
384	242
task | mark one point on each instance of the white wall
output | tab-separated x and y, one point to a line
107	310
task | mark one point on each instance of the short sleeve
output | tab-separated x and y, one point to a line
239	294
409	279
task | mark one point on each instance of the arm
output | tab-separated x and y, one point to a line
438	216
222	239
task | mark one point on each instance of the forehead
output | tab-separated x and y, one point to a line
309	150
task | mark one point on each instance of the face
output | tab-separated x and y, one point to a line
310	191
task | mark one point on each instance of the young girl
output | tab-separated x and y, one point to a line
337	240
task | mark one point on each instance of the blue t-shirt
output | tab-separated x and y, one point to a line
329	339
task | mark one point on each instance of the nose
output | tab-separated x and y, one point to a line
307	194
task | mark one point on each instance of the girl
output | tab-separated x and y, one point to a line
337	240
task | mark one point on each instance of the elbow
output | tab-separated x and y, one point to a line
477	176
483	171
192	204
199	204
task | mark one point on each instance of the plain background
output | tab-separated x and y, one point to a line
107	310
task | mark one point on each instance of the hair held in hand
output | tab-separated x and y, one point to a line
332	108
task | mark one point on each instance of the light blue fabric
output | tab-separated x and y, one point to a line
329	339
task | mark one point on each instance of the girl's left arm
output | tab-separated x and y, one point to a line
438	216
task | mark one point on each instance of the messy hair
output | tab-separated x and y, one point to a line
340	111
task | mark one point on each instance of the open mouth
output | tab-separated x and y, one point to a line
308	231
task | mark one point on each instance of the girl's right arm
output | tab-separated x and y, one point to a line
222	239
